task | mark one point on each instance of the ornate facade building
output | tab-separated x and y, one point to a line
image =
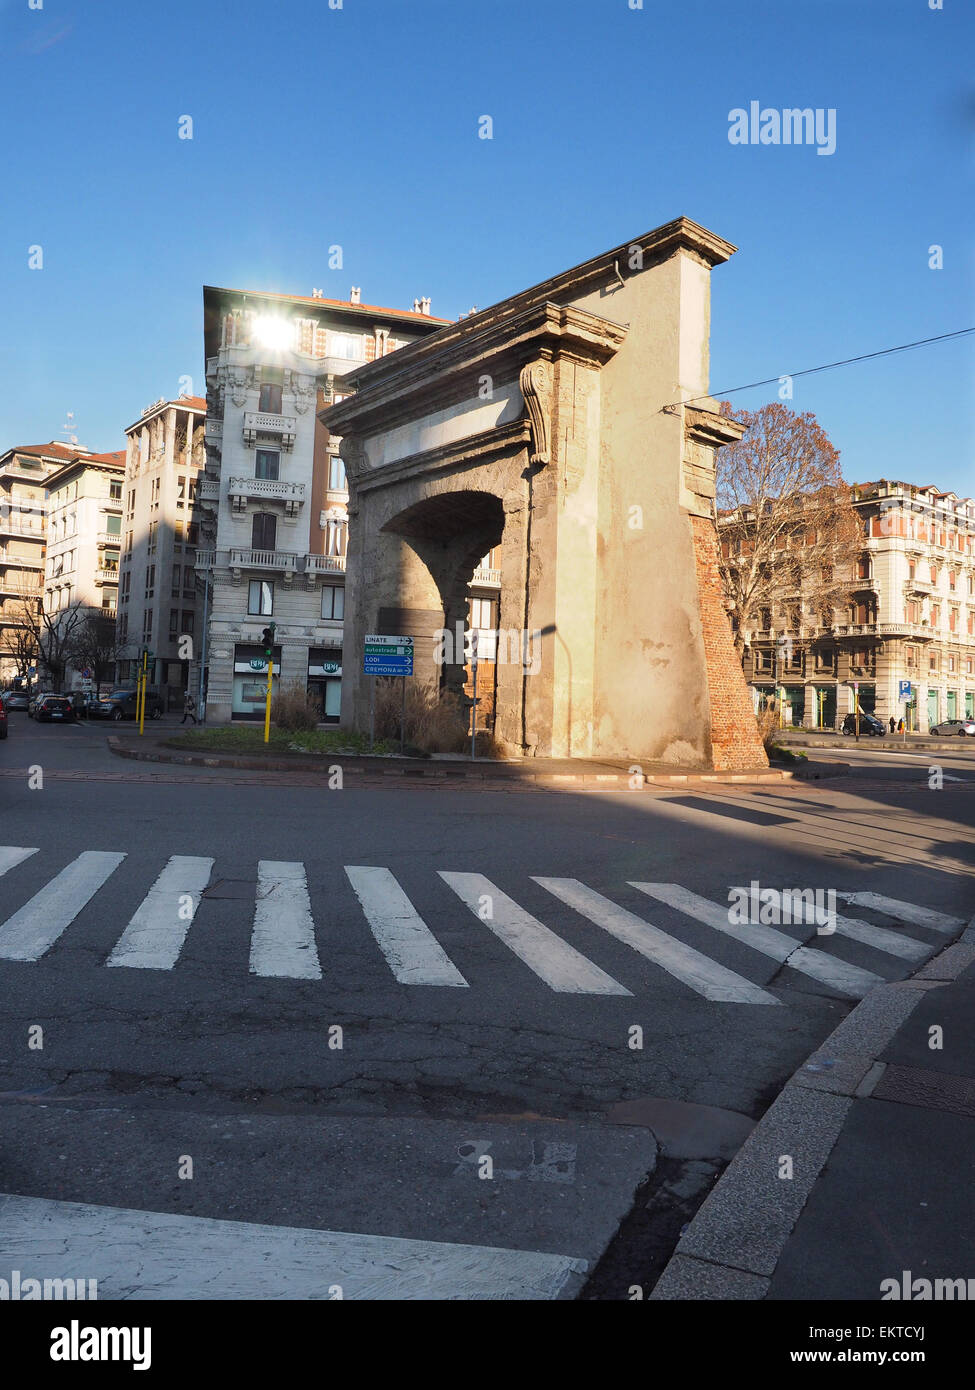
274	493
910	620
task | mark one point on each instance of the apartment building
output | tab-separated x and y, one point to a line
910	620
84	518
159	601
24	472
274	516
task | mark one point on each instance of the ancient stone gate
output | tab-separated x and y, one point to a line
568	428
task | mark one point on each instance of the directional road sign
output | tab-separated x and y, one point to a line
388	656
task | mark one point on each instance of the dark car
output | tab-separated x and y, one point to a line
54	709
3	720
869	726
124	704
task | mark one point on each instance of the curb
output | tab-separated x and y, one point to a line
732	1246
460	774
922	743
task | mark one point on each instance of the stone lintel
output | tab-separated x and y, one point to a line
408	384
470	452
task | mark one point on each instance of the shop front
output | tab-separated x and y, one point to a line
325	681
250	680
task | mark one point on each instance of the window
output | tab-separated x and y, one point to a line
863	567
260	597
151	546
146	626
188	617
347	345
264	531
150	581
177	580
154	499
333	601
177	536
337	480
113	525
192	533
266	463
174	622
180	493
270	401
336	535
115	492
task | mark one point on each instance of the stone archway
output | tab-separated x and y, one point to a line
571	426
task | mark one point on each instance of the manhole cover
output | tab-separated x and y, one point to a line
231	888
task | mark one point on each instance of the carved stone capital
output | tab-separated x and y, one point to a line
536	387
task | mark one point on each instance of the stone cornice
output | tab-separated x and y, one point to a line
448	367
708	427
470	452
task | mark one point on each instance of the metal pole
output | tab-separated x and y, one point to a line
372	712
203	652
402	722
142	702
267	698
474	710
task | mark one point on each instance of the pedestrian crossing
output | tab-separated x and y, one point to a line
285	937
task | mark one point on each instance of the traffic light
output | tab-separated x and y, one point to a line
267	640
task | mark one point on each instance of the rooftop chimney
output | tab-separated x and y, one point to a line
355	296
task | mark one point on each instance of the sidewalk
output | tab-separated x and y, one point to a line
612	773
880	1129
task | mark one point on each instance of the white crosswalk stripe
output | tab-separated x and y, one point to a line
10	857
154	937
829	970
35	928
414	954
553	960
283	939
904	912
702	974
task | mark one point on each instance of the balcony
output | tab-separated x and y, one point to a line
213	431
207	489
279	427
919	586
108	538
205	559
483	575
106	575
918	631
29	562
324	564
266	490
13	526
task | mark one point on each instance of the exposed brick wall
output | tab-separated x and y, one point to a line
735	744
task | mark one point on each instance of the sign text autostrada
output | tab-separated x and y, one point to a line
388	656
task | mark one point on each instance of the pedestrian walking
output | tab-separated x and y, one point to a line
893	724
189	708
900	727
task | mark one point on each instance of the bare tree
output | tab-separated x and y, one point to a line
55	635
17	641
96	645
786	523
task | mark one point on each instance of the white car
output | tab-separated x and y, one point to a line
954	726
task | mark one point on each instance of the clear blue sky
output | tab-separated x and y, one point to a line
359	127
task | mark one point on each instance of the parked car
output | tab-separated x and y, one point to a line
35	700
54	708
15	699
954	726
3	720
869	726
124	704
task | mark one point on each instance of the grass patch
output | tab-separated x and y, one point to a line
249	738
781	754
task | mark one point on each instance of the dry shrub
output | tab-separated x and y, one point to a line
768	728
292	708
435	722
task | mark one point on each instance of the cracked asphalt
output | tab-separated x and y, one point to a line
163	1053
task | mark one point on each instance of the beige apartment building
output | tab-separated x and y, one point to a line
84	517
24	472
159	602
905	646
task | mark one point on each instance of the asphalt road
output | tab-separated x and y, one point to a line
427	1015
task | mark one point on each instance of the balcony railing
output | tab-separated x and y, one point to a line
266	490
281	427
29	562
483	575
213	431
264	559
325	564
108	538
106	576
11	525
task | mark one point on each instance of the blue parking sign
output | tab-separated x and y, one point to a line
905	690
